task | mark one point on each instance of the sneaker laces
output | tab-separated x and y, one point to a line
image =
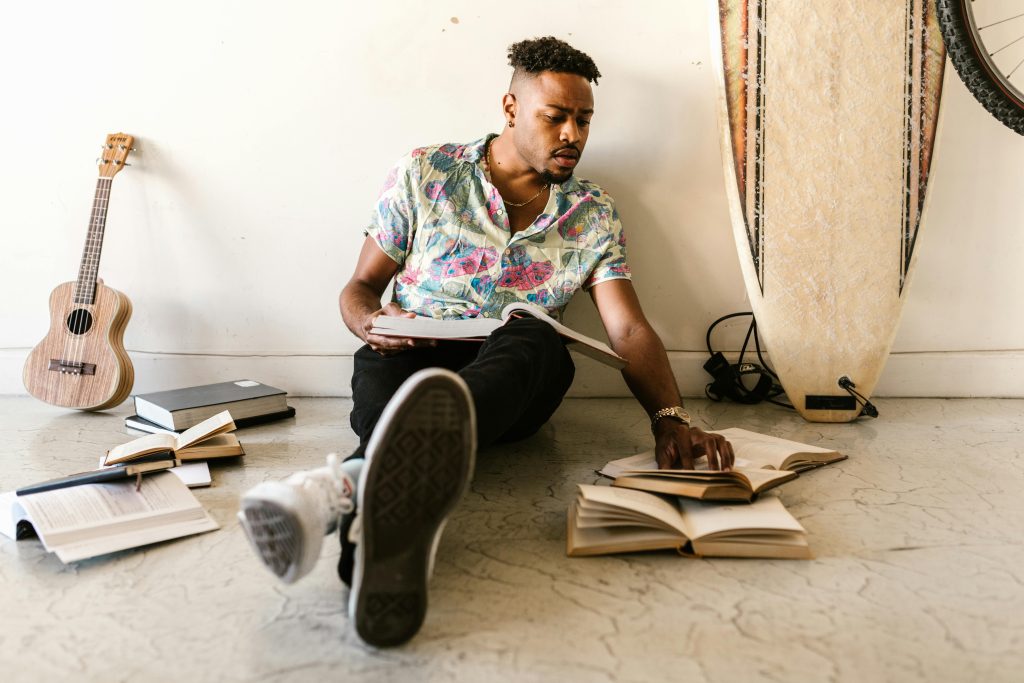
344	485
333	488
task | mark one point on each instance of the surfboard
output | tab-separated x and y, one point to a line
828	114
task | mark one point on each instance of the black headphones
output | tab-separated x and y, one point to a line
727	379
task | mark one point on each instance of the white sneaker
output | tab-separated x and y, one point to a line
286	521
419	463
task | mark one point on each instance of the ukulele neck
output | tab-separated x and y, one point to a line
85	287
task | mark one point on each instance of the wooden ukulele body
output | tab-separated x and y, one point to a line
82	363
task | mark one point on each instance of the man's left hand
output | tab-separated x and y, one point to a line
677	446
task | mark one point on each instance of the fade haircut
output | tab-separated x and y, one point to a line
531	57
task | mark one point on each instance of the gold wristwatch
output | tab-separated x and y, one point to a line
676	412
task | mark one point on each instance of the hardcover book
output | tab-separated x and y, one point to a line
604	520
141	424
182	408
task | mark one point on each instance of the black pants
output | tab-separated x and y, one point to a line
517	377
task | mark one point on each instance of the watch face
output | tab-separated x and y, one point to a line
682	415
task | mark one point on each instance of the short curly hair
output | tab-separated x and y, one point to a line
551	54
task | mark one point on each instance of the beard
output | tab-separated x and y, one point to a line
556	178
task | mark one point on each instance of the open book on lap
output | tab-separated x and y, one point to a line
605	519
423	327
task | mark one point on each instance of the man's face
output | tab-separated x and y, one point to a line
552	121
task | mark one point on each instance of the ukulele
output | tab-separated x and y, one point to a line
81	363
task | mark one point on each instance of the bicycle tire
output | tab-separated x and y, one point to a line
974	71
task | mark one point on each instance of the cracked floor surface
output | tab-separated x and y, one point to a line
918	571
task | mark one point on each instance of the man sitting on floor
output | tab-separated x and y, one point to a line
464	230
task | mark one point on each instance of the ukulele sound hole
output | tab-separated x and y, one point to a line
79	321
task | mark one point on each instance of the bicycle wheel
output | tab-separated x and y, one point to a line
985	41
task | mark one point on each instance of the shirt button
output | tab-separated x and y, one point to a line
501	212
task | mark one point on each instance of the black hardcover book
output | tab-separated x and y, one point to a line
179	409
143	425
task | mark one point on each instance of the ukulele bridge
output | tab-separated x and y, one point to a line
68	367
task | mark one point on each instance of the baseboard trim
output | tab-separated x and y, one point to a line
954	374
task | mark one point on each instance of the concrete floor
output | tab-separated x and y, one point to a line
919	569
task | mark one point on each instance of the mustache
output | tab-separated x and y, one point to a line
566	148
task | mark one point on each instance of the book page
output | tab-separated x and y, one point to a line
768	451
647	504
422	327
580	342
144	444
80	550
646	462
211	426
766	514
193	474
61	514
765	478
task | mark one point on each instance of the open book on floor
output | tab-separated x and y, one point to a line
208	439
422	327
605	519
79	522
762	462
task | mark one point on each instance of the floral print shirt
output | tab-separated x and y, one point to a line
445	224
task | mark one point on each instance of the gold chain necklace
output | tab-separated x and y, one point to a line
520	205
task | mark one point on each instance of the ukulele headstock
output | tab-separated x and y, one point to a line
115	151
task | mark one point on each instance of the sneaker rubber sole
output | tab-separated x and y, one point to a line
420	463
271	515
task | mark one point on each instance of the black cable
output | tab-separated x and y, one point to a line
867	408
775	389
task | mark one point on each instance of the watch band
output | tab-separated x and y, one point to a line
676	412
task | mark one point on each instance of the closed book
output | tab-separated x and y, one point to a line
178	409
143	425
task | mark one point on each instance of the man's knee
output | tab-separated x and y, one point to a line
530	331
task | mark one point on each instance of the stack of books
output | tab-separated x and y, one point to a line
174	411
697	512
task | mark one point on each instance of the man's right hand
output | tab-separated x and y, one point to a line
388	346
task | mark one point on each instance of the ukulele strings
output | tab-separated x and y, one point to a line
71	341
90	262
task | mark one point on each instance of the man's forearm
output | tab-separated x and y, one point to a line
358	301
648	374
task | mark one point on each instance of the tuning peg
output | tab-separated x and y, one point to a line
127	164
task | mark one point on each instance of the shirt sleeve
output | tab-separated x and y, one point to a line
612	264
393	219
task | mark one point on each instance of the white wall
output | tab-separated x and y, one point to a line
264	131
